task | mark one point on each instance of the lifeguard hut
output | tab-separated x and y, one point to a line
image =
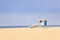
43	22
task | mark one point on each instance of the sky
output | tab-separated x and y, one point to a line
27	12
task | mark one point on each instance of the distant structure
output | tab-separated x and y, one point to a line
43	22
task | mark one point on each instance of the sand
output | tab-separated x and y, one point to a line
30	33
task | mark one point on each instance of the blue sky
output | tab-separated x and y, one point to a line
26	12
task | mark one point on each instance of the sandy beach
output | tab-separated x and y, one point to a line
30	33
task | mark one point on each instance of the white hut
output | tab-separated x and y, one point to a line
43	22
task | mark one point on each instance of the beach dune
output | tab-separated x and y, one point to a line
30	33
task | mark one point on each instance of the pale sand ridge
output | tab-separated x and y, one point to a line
30	33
